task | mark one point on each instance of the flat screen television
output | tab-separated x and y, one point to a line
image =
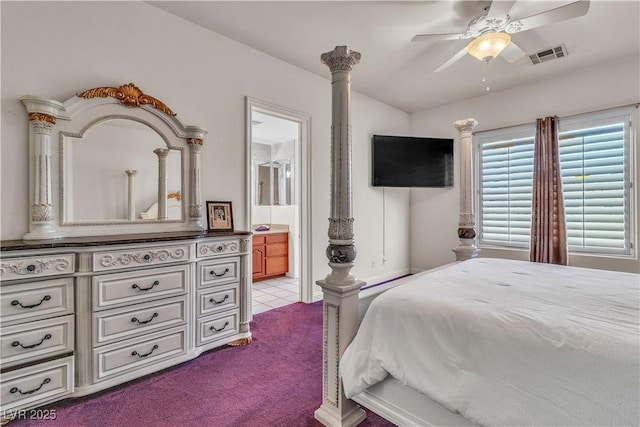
405	161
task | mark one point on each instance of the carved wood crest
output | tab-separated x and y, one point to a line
129	95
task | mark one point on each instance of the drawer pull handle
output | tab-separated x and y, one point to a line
142	322
135	353
16	302
135	286
211	300
226	270
213	328
17	343
17	390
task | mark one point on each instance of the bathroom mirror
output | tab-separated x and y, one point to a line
111	160
273	184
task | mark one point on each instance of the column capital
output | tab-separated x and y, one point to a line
340	59
465	125
131	172
161	152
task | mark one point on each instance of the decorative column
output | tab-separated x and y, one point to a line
340	288
43	114
131	194
466	249
195	202
162	181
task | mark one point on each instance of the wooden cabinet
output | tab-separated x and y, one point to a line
270	255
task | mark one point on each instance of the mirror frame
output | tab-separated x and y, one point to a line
50	121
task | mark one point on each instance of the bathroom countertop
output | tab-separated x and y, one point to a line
275	228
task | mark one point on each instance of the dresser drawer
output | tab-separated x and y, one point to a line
218	300
130	355
37	384
226	247
127	258
214	329
127	322
118	289
36	300
36	340
276	238
277	249
41	266
219	271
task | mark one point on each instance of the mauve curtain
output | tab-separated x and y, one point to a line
548	230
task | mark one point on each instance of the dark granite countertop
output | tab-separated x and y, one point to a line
66	242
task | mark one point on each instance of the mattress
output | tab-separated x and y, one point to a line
508	343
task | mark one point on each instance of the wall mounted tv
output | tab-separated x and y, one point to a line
405	161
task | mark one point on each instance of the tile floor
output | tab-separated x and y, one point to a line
274	293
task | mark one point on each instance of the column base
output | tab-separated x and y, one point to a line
330	416
464	253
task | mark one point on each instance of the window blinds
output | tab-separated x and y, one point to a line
506	185
595	184
595	162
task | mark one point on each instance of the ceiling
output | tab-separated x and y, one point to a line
398	72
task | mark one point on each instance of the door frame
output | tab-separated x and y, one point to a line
303	190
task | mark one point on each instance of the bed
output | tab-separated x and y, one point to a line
506	342
479	341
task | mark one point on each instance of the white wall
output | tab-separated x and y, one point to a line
434	213
55	49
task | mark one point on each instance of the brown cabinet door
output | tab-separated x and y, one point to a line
277	265
258	262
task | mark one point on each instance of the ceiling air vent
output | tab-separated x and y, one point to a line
549	54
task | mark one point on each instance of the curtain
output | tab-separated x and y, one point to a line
548	229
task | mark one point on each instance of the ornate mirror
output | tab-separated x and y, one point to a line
111	161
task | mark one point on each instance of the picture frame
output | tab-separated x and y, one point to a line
219	216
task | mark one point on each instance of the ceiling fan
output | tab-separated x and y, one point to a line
490	34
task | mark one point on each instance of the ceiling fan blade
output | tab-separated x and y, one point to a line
562	13
434	37
512	52
453	59
500	8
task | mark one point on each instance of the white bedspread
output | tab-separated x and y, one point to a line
509	343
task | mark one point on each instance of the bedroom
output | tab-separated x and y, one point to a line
205	77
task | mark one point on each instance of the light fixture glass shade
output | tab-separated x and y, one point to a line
488	46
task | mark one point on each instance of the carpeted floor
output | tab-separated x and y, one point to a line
274	381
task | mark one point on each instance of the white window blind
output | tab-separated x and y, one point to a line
506	160
596	181
596	163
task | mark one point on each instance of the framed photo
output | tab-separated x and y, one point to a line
219	216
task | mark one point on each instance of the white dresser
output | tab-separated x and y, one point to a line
83	314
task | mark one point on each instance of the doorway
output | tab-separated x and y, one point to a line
278	198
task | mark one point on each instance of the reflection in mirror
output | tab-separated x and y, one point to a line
111	174
273	147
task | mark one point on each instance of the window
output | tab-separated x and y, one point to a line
596	163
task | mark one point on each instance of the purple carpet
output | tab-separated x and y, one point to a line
274	381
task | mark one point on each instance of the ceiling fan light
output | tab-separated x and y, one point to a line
488	46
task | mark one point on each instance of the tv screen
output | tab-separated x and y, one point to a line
405	161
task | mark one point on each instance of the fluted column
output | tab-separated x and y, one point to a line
131	194
195	202
340	288
162	181
466	248
42	114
